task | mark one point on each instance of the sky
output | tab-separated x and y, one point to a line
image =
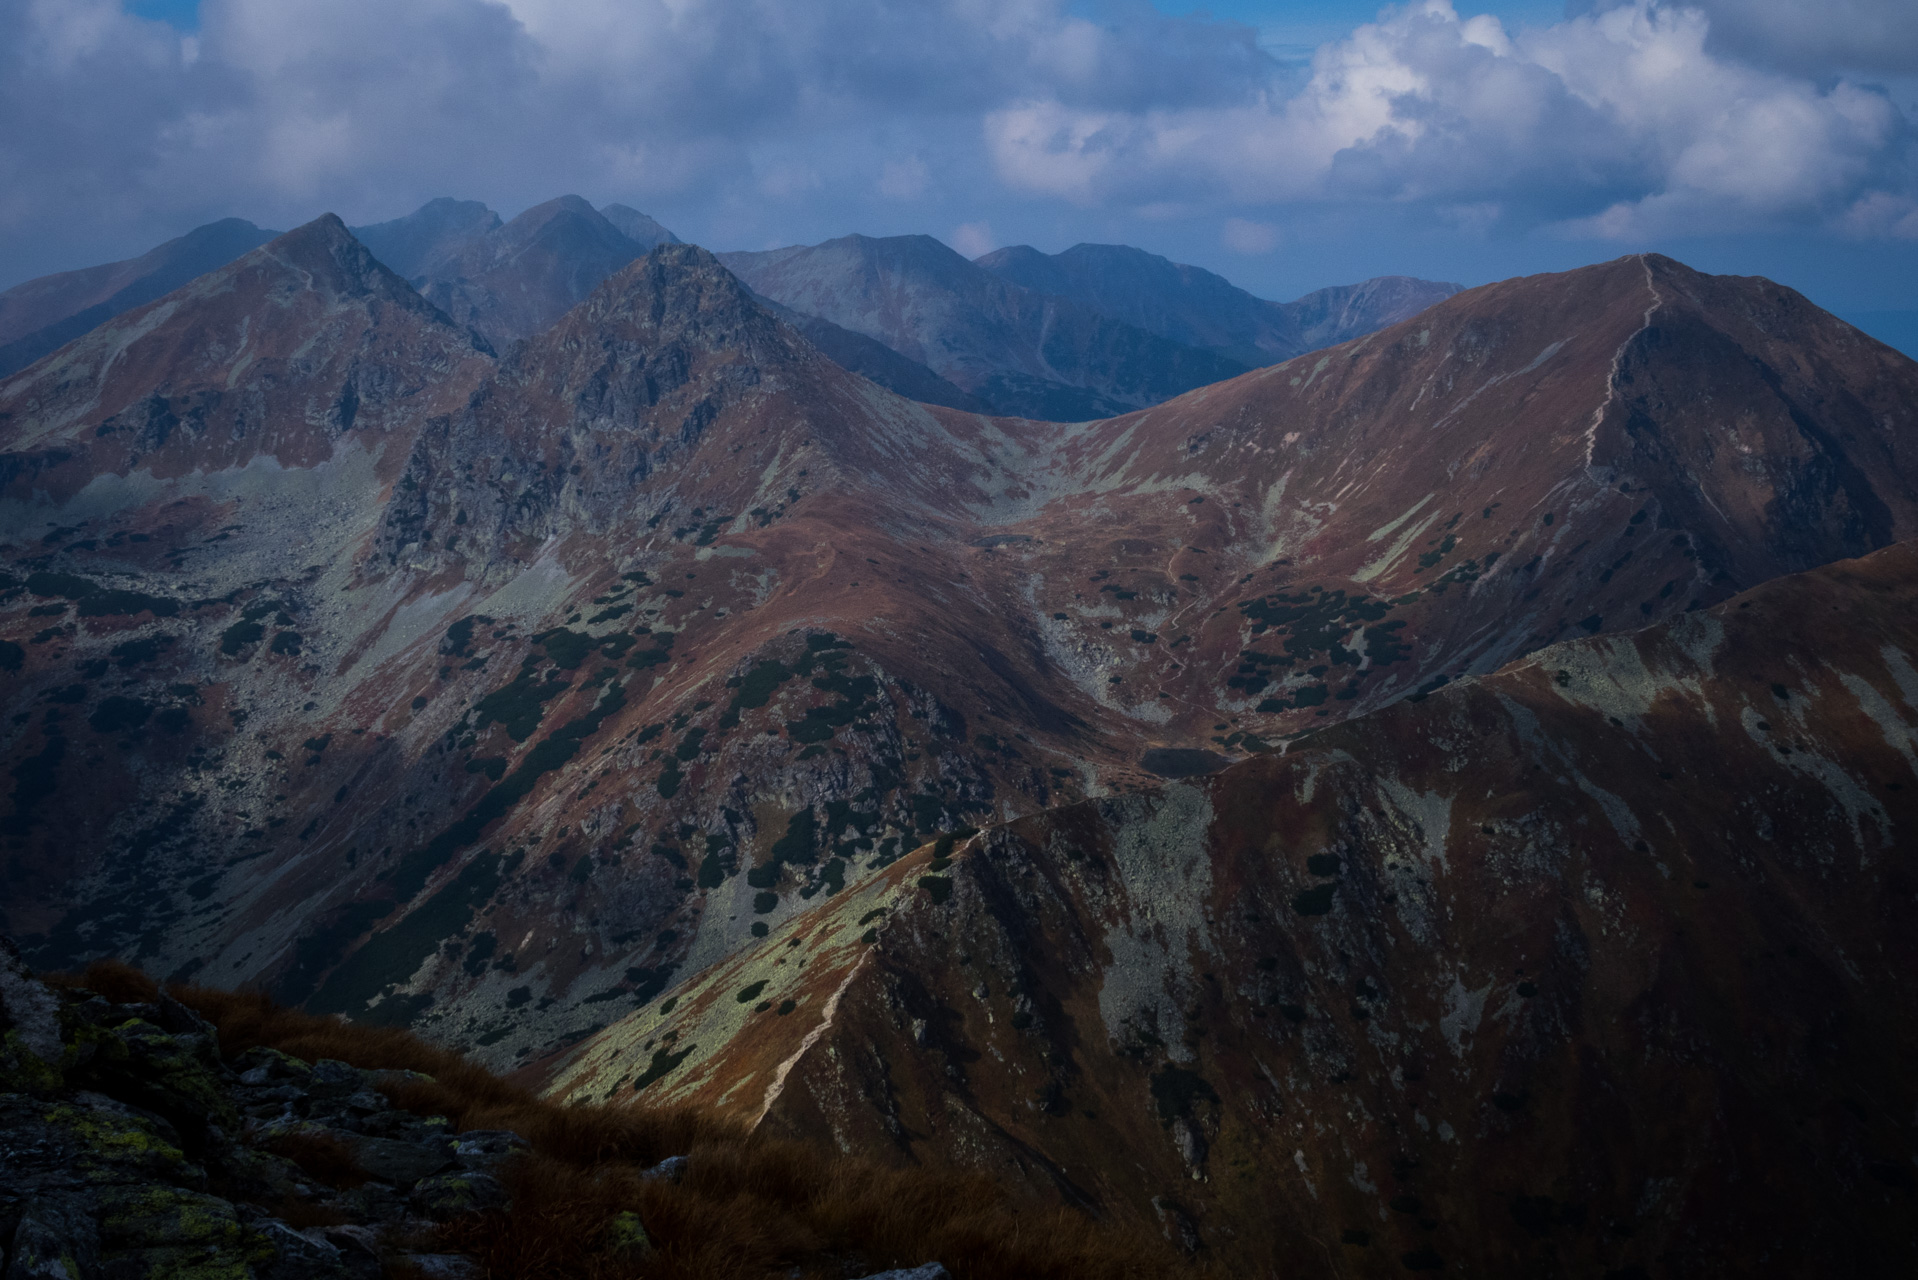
1286	144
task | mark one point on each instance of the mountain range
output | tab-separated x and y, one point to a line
1363	812
1095	330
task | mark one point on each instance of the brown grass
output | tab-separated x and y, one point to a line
748	1207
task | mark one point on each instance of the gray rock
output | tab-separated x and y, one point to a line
931	1271
442	1266
671	1169
334	1079
56	1240
29	1011
272	1063
351	1239
486	1149
449	1195
297	1255
397	1162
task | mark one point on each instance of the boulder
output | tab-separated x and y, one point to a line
449	1195
56	1239
397	1162
30	1043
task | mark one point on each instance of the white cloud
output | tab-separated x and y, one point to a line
904	179
1242	235
749	116
972	239
1620	122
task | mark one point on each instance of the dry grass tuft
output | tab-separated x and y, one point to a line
747	1207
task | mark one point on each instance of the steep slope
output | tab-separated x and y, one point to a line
671	625
1528	461
290	352
642	229
1196	308
1594	965
42	315
1026	353
873	359
1349	311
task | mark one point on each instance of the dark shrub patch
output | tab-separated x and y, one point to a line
1316	901
1174	1090
239	636
117	713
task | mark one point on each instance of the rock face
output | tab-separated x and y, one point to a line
136	1150
1026	353
1196	308
1595	963
510	711
41	316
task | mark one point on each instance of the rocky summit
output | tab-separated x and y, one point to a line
1304	819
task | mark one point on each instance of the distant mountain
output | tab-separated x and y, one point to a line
439	229
1193	306
43	315
1026	353
513	281
873	359
287	354
642	229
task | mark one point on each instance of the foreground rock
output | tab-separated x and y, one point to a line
130	1150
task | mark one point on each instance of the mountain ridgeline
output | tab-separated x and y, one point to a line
1351	816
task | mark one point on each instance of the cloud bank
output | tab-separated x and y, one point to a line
749	116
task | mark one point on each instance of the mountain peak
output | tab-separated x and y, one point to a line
432	233
332	260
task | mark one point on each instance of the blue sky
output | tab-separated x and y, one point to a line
1286	145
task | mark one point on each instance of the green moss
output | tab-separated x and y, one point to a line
626	1236
22	1070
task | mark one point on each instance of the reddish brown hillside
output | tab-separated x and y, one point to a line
1593	966
280	356
507	712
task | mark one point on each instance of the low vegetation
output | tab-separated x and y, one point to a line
744	1206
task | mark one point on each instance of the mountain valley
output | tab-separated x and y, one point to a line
1304	809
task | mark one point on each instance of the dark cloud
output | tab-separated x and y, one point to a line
756	120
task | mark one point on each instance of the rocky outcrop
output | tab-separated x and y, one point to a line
134	1151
